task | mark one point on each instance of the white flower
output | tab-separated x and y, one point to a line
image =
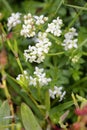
57	92
52	95
38	71
18	77
33	81
39	78
27	31
13	20
69	41
40	19
28	19
62	96
28	28
22	77
75	59
55	27
37	53
71	34
30	53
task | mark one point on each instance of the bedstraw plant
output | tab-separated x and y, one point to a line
42	62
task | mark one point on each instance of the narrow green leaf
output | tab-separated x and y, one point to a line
77	7
61	107
59	5
4	113
58	111
47	101
28	118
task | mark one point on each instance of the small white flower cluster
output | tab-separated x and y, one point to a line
28	28
69	41
40	19
39	78
75	59
13	20
55	27
57	93
22	77
37	53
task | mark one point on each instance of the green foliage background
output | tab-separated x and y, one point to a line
72	76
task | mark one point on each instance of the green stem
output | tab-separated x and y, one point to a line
34	101
10	46
75	100
77	7
8	96
4	84
75	18
85	41
61	2
14	50
16	55
54	54
39	92
20	66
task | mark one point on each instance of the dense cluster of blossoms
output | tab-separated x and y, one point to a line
40	19
28	28
29	23
39	78
37	53
22	76
23	79
57	93
75	59
13	20
70	41
55	27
